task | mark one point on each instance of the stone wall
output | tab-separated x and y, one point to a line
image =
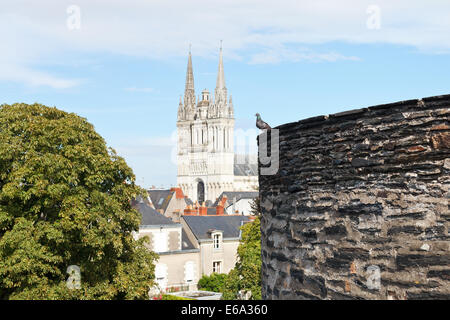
359	207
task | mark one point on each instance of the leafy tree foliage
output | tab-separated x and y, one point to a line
255	207
65	200
246	276
214	282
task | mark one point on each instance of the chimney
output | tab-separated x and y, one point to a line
219	210
203	210
189	211
178	192
220	206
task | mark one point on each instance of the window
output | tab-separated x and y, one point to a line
160	239
189	272
161	275
201	192
217	266
216	239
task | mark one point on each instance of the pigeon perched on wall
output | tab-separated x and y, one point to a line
260	124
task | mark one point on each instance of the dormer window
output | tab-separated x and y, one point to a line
217	241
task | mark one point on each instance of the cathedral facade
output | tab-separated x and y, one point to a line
207	164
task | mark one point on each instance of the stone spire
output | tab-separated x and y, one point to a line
230	107
221	90
189	91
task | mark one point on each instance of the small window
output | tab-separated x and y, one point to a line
217	266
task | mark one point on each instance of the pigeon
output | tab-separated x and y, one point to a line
261	124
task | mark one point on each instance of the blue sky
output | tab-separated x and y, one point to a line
124	68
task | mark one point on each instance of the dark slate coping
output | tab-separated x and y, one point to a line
348	113
318	120
444	97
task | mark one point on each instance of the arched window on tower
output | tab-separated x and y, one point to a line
200	192
224	139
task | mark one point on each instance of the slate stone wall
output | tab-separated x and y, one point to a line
359	207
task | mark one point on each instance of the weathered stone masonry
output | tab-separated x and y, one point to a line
367	187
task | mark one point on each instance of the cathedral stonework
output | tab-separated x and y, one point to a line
206	161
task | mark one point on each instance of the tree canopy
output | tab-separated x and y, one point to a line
246	275
65	199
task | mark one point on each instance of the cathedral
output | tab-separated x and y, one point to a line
207	164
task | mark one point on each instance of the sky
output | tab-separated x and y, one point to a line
121	64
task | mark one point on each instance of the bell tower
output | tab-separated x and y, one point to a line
205	139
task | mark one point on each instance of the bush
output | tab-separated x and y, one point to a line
215	282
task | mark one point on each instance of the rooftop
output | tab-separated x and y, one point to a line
150	217
229	225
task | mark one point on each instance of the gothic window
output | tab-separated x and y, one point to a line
200	192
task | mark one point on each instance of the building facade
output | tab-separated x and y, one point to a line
178	266
196	246
206	158
217	238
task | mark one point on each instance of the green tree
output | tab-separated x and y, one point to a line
246	275
65	199
214	282
255	207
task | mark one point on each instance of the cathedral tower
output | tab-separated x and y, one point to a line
205	139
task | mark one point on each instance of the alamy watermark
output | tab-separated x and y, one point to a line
374	19
73	21
374	277
74	279
274	159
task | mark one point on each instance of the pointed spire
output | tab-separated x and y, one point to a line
189	91
221	91
189	73
220	74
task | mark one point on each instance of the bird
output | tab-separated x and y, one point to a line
260	124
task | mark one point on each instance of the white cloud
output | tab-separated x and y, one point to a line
284	54
32	77
36	31
134	89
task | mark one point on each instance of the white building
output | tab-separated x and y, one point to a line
206	158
